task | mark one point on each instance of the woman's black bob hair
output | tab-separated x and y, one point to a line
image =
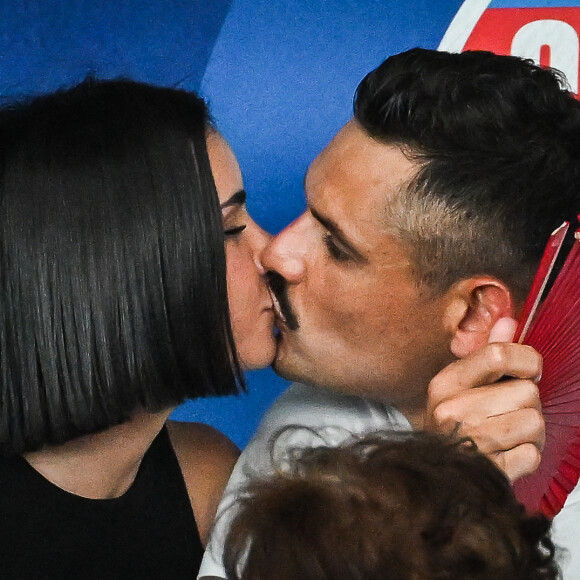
113	292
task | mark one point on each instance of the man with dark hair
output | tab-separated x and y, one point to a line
426	218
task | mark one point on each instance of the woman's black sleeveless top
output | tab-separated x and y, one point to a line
147	533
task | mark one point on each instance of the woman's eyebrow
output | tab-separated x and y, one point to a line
238	198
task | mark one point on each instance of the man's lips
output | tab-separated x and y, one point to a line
277	287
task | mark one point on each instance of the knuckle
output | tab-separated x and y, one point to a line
445	413
518	462
534	419
497	354
528	392
529	458
536	360
535	458
537	426
437	385
533	352
533	391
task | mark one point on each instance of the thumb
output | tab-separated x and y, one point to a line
503	330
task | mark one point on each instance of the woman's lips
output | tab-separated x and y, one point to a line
276	306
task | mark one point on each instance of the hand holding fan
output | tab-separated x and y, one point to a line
555	333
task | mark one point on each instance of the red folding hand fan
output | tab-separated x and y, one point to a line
554	331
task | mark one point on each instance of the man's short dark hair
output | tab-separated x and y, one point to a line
392	505
112	268
496	140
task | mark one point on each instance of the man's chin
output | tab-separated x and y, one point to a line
282	365
278	367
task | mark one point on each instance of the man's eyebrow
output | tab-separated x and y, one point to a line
335	230
239	198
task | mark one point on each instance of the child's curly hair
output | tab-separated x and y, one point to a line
411	506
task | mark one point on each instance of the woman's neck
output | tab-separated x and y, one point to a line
101	465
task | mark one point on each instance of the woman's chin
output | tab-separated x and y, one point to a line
260	356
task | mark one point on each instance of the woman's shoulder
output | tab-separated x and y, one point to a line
199	438
206	457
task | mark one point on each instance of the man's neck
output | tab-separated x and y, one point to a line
101	465
413	409
416	418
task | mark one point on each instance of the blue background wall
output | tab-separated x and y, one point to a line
279	76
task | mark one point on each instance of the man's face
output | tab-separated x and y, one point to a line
363	323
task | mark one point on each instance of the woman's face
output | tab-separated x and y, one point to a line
250	303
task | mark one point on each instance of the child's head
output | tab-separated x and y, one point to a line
409	507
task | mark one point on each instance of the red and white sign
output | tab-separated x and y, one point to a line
548	35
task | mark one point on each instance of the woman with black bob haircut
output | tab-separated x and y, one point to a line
113	310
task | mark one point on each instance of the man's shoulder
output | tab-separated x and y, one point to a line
306	415
318	407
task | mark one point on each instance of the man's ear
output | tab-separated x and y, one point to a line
475	305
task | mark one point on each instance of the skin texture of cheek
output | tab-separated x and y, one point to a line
254	338
251	315
385	346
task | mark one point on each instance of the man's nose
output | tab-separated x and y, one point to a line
286	252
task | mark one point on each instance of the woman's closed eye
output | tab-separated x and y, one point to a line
234	231
234	214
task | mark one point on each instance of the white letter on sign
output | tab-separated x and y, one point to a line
559	37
